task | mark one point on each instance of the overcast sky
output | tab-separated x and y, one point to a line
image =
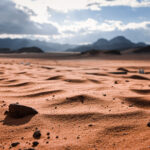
75	21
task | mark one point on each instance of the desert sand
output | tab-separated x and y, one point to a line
84	104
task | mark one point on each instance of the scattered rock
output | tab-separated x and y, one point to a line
116	82
19	111
35	143
148	124
15	144
37	134
22	138
141	71
90	125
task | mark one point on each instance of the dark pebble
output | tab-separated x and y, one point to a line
116	82
15	144
35	143
48	133
90	125
37	134
148	124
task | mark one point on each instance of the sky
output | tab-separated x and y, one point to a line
75	21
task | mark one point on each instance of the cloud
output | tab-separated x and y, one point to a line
43	9
72	20
90	25
67	5
130	3
16	21
59	5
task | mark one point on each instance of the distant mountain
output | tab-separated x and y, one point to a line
15	44
29	50
117	43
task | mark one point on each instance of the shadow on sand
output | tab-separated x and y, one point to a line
15	122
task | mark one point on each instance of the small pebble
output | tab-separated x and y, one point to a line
48	133
37	134
90	125
35	143
15	144
116	82
148	124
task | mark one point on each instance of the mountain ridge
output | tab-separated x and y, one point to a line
15	44
117	43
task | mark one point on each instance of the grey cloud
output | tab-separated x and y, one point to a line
91	4
15	21
148	25
29	11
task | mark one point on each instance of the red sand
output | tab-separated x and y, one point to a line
78	101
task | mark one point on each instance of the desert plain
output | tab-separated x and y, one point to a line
92	103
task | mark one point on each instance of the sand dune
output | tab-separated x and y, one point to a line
88	104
